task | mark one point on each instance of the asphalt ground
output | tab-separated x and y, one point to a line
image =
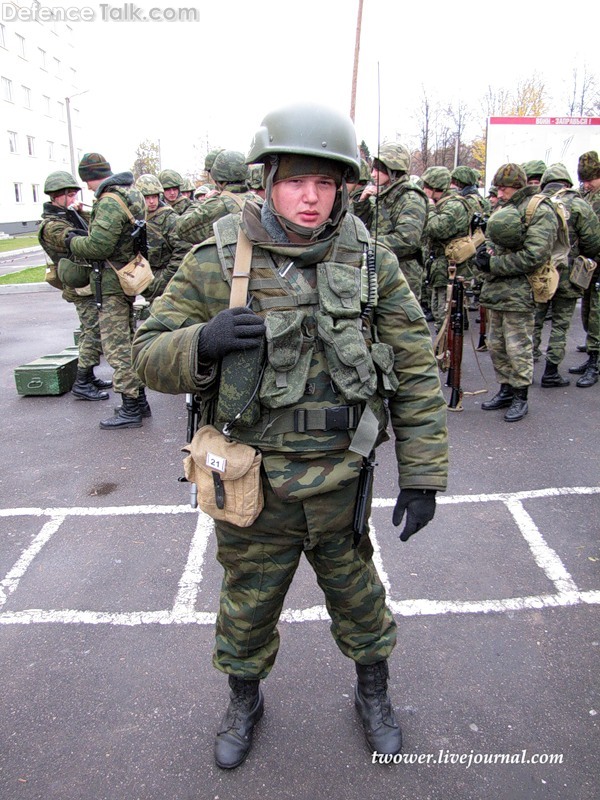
109	588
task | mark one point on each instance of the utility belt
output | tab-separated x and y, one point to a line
303	420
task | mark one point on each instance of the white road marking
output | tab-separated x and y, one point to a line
183	612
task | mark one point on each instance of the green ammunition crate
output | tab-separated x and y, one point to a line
76	335
51	374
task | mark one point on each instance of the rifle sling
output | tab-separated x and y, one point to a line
240	276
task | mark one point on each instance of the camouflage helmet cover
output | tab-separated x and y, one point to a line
588	168
148	185
209	160
365	172
437	178
493	191
534	169
60	181
510	175
465	175
394	156
311	130
556	172
255	176
204	189
188	185
170	179
229	167
73	274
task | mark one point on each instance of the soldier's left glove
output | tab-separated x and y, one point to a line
74	234
419	505
482	259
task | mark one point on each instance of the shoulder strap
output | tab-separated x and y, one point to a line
532	206
240	277
238	199
122	203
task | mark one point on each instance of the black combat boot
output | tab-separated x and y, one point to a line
374	706
143	403
128	416
581	369
552	377
99	383
501	400
234	737
518	407
84	389
590	376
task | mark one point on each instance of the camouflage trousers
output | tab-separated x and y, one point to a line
90	347
590	314
259	563
116	333
562	309
510	344
413	272
439	295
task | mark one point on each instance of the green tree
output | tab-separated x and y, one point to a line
147	159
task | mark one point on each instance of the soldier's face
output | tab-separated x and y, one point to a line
64	200
379	178
590	186
506	192
305	200
151	201
171	194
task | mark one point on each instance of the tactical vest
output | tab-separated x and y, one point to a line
325	373
65	219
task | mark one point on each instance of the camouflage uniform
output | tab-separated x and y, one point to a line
165	249
398	214
516	251
109	238
170	179
312	476
584	236
56	222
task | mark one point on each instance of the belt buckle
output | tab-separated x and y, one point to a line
337	418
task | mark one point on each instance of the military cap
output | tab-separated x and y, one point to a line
534	169
170	179
93	167
556	172
436	178
229	167
510	175
464	175
588	168
394	156
148	185
59	182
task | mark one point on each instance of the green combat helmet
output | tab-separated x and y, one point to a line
464	175
533	169
148	185
210	158
255	176
60	182
556	172
203	190
365	172
437	178
170	179
511	175
311	130
188	185
229	167
394	156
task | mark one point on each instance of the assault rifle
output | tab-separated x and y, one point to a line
482	344
194	410
365	487
455	343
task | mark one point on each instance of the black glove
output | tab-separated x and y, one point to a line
419	505
74	234
482	259
232	329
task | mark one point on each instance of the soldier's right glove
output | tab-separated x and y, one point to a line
419	505
74	233
232	329
482	259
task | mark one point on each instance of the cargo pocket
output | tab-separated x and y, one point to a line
339	289
383	358
350	364
287	368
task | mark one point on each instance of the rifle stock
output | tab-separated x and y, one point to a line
455	344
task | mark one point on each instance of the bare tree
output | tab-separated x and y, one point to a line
530	99
147	159
584	99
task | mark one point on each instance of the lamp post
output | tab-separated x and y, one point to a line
70	129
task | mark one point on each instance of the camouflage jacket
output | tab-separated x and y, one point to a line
505	287
109	236
165	352
56	222
165	249
449	219
182	204
584	231
398	215
195	226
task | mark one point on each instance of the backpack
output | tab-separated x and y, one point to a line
544	281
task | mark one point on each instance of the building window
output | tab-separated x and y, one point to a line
42	56
20	45
46	104
61	110
2	39
18	192
26	96
64	153
31	145
12	142
50	150
7	89
35	192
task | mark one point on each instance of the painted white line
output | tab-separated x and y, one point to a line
192	574
503	497
378	561
83	511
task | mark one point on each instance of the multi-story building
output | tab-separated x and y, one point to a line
39	117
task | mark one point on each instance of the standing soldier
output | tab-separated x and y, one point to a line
110	238
449	219
516	249
209	160
395	211
533	171
171	182
320	401
188	188
584	238
229	173
58	219
588	172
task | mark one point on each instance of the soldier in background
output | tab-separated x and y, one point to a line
584	238
171	182
229	173
187	188
209	160
306	252
493	198
58	219
533	171
255	180
395	211
109	238
588	172
355	190
514	251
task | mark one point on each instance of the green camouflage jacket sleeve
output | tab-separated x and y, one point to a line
447	220
195	225
109	235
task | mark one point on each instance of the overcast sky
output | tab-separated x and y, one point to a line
203	84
